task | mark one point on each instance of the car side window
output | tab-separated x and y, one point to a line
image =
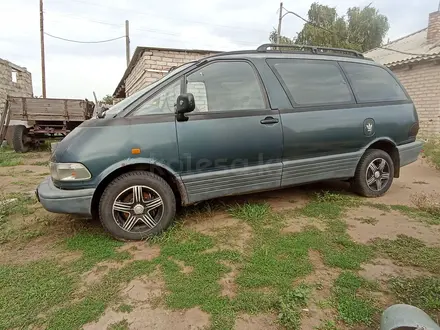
161	103
372	83
223	86
312	82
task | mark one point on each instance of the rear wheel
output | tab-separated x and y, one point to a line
137	205
20	138
374	174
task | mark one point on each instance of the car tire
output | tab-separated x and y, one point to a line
374	174
126	206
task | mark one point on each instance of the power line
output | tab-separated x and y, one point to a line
163	16
176	36
83	42
121	26
333	32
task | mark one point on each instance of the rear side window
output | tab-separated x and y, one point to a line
313	82
373	83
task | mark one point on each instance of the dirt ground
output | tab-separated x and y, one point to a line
146	293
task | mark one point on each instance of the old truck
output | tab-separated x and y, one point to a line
26	121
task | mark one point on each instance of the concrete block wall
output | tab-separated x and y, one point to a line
422	83
21	87
154	64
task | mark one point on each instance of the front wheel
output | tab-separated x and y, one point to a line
374	174
137	205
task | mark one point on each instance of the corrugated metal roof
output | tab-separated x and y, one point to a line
409	49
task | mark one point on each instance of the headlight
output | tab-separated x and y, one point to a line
69	172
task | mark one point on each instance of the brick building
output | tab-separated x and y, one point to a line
149	64
14	81
416	62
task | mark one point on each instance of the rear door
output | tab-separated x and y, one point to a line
323	132
232	142
383	101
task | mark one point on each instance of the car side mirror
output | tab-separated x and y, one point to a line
185	103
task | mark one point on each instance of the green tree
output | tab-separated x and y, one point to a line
108	99
361	29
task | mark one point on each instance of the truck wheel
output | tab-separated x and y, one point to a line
20	138
374	173
137	205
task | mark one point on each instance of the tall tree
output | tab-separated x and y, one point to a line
361	29
366	27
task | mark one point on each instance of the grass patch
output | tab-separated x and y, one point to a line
20	183
352	307
430	216
41	163
75	314
10	158
431	149
378	206
125	308
30	290
411	252
330	206
272	262
15	204
253	213
21	235
201	211
327	325
367	220
254	302
22	229
200	287
268	266
121	325
422	292
289	306
95	248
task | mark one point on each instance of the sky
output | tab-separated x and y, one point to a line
76	70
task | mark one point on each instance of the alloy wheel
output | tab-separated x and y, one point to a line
378	174
138	209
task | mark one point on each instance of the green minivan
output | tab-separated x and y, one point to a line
235	123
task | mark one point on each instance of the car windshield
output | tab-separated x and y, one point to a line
117	108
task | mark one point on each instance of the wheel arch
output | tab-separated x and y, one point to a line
166	173
389	146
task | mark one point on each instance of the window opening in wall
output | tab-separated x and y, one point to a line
14	76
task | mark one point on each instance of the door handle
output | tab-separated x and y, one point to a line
269	120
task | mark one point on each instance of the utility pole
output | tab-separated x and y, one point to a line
43	62
279	23
127	42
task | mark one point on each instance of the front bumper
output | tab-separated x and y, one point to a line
409	152
64	201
